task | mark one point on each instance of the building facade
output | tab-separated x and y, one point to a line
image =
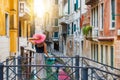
105	31
50	24
9	28
71	38
26	21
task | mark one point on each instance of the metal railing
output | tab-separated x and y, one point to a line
69	68
108	69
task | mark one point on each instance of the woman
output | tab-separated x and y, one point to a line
39	41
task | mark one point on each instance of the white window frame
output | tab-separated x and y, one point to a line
22	7
112	28
8	24
101	22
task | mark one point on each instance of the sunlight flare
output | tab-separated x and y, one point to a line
39	8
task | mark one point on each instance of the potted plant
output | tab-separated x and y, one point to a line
87	32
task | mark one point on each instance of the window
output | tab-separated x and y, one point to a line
19	28
56	1
75	5
68	6
21	7
112	13
101	16
56	22
106	55
101	53
68	29
71	44
91	51
55	34
94	15
112	56
72	28
12	21
96	52
6	24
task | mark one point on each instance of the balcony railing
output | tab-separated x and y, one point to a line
64	19
26	9
55	38
89	2
92	35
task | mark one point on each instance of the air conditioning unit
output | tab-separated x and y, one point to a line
118	32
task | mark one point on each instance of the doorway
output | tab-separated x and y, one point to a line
56	46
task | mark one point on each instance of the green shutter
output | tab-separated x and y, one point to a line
101	53
68	6
76	4
74	27
113	9
112	56
97	51
75	7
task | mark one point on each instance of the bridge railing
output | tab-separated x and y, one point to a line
22	67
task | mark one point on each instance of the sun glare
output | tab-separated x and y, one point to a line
39	8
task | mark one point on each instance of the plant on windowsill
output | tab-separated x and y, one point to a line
87	32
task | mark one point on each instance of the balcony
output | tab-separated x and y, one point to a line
90	2
90	33
24	9
55	38
64	19
95	33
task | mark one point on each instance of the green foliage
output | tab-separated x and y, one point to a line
86	30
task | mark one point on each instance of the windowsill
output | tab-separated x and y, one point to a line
112	28
101	29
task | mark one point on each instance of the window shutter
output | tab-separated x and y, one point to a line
74	27
112	56
68	6
68	29
76	4
75	7
21	7
101	53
